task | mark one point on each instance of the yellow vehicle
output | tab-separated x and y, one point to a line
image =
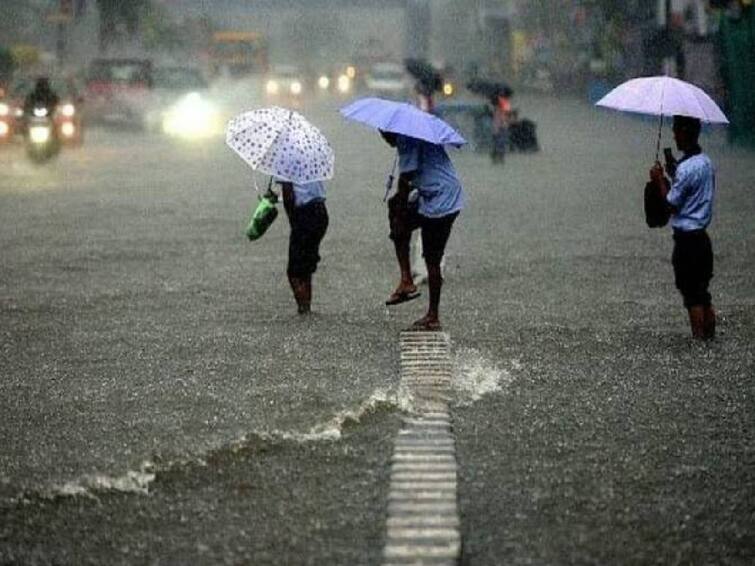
238	53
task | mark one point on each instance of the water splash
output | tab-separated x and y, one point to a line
333	429
475	377
139	481
130	482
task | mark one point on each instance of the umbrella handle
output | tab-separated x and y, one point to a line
658	142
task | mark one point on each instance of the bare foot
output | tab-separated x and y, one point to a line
426	324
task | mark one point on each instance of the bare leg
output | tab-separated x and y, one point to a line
406	283
435	283
697	321
302	289
709	324
431	321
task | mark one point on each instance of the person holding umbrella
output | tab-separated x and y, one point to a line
429	194
690	195
304	204
426	168
691	190
283	144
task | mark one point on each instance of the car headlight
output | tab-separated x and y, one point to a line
4	109
68	129
40	112
39	134
4	129
272	87
448	89
323	82
296	87
68	110
192	117
344	84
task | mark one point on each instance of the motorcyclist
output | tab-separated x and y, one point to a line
42	96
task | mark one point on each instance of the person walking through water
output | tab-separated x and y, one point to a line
502	116
429	197
305	207
690	195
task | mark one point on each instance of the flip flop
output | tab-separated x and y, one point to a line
398	298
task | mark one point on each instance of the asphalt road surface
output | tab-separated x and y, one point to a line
161	402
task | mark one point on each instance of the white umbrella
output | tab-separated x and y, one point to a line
282	143
663	96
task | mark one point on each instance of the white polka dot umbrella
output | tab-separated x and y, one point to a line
282	143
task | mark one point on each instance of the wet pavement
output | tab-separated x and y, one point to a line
162	403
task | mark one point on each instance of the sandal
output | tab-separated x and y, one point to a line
398	297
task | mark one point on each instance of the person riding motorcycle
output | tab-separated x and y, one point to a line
42	141
42	96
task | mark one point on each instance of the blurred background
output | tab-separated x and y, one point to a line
127	61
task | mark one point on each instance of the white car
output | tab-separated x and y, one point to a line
388	80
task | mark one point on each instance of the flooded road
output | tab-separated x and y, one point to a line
163	403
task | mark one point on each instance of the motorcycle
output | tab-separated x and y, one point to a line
42	141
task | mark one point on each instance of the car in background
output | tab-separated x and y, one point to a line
388	80
180	104
68	118
117	90
285	84
337	80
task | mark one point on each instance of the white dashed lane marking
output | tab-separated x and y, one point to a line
423	516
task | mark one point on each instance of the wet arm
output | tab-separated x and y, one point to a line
288	197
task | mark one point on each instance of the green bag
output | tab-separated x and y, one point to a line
263	216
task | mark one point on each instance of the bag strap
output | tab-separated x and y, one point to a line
254	182
389	179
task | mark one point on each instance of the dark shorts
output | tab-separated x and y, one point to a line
308	226
404	220
693	266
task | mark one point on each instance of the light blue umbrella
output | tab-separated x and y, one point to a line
402	118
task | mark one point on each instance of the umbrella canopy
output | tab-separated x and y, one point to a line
663	96
402	118
282	143
428	78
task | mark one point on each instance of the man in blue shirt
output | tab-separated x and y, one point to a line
305	206
690	197
425	167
